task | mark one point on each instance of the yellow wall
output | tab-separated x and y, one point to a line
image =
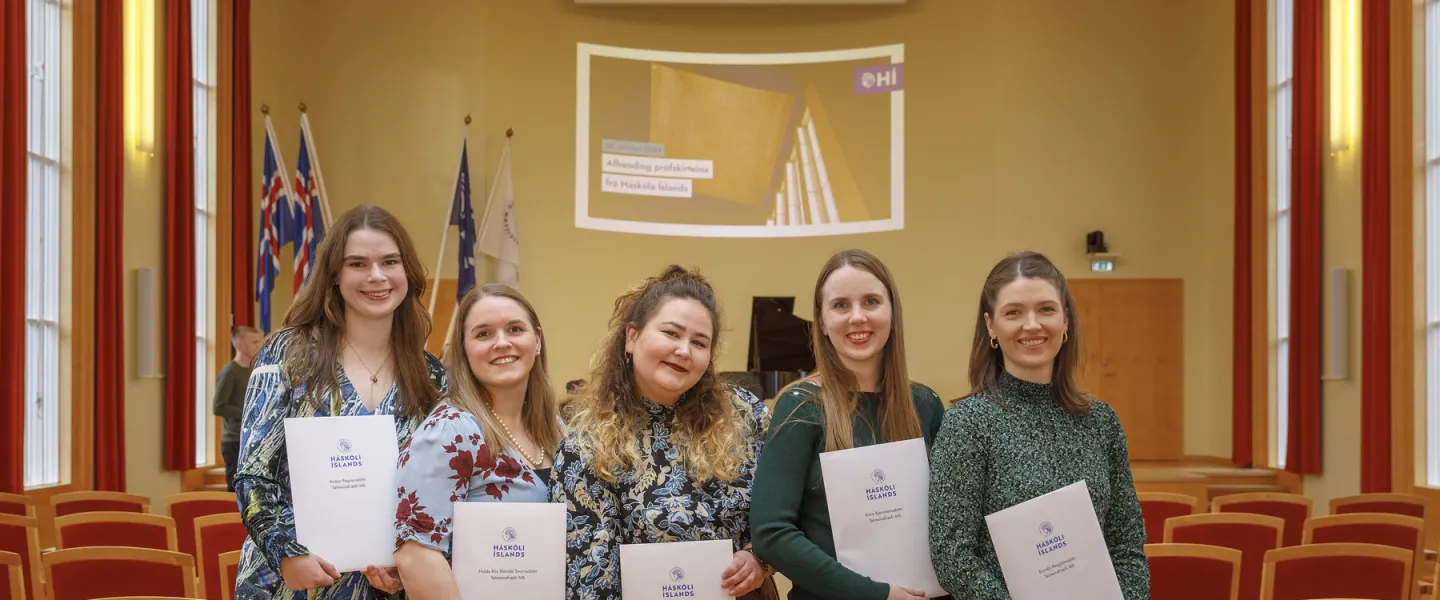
1028	125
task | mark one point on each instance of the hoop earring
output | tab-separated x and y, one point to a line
1064	337
627	358
994	343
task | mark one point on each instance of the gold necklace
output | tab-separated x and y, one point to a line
526	455
374	375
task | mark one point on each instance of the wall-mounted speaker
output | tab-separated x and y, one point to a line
1338	322
145	321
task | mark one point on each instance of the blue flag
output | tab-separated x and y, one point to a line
275	226
462	215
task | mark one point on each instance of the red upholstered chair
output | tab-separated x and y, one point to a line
1409	505
1156	507
1193	572
21	535
17	504
70	503
12	577
110	572
187	507
1293	508
216	535
1337	571
230	570
1396	531
1252	535
109	528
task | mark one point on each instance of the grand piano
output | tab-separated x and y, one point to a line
779	349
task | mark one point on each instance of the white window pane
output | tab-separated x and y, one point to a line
42	245
1282	414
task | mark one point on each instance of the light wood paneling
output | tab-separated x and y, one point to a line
1134	358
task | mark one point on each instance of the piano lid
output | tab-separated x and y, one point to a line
779	340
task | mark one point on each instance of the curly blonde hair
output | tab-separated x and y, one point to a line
710	430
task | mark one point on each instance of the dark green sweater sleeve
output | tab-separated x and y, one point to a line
793	441
959	468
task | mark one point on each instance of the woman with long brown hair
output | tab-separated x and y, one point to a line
490	439
658	450
1025	430
353	344
859	395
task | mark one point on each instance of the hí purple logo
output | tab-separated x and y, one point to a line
879	79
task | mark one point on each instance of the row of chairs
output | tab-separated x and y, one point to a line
113	571
1385	533
198	526
1199	571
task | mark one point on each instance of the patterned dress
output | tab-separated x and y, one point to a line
262	483
996	450
448	461
658	502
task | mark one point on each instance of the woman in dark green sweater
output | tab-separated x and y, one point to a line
1026	430
859	395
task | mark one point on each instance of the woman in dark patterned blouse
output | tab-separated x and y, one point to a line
490	439
658	451
1024	431
353	344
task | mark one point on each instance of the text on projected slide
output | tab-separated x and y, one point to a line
650	173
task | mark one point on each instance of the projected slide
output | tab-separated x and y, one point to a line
740	145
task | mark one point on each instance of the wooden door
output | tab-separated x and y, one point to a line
1134	358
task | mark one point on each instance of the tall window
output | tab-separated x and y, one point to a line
1283	20
203	77
42	251
1432	235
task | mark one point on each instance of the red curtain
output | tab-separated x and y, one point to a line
1242	362
242	265
179	242
1375	247
13	190
1303	439
110	250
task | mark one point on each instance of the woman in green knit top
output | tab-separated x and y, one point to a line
1026	430
859	395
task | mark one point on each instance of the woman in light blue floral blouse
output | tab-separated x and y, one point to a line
353	344
659	450
489	440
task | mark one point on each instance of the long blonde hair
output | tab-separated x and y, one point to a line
710	430
318	316
839	390
468	394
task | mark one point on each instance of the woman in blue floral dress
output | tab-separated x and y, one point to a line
490	439
659	450
353	345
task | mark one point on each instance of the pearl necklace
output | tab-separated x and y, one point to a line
534	464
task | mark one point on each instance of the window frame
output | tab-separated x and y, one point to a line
1281	87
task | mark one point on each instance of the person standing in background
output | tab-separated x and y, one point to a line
230	395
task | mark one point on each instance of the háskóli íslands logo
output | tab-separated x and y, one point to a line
1051	542
880	491
677	589
509	549
346	458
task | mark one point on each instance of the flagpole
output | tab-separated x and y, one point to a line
315	164
280	161
445	230
449	331
504	156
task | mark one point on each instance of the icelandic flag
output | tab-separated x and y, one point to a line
501	237
275	225
462	215
308	220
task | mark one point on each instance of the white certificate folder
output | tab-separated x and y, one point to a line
665	571
342	486
1052	547
509	550
879	499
